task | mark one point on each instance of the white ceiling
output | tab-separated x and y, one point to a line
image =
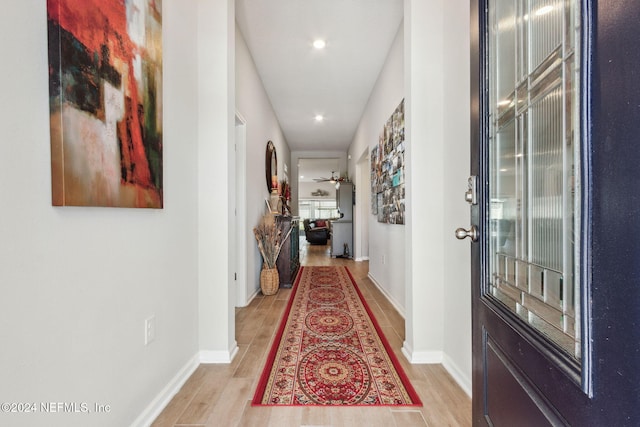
302	81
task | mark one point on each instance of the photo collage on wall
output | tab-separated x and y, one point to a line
387	171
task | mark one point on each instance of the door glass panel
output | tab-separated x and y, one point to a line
534	166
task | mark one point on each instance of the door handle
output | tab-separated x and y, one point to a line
472	233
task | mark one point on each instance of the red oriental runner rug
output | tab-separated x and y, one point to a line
329	349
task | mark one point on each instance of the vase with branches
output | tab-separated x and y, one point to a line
270	240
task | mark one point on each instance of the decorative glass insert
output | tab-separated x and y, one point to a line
534	179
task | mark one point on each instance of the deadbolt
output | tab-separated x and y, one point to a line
472	233
471	195
468	196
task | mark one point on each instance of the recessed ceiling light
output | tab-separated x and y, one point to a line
319	44
319	118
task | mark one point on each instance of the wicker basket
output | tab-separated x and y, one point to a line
269	281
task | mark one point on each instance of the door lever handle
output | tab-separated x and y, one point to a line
472	233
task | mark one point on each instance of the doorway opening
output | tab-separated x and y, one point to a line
317	204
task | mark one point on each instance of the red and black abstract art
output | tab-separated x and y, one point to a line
105	91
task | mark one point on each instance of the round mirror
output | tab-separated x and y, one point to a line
271	166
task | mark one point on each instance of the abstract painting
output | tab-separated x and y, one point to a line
105	97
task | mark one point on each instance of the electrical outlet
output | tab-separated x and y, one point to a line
149	329
384	259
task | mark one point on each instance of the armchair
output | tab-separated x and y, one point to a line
316	235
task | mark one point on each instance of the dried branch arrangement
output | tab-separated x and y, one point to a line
269	240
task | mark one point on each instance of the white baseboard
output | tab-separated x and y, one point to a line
422	357
394	303
429	357
148	416
458	375
253	295
438	357
207	356
362	258
250	298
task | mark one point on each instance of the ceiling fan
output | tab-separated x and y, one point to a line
335	179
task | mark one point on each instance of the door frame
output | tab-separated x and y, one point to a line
241	283
362	209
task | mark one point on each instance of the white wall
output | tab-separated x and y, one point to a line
77	283
386	241
424	169
216	133
305	190
262	125
457	261
437	127
426	273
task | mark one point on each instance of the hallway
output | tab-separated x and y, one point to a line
220	395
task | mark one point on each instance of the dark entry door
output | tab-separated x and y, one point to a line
555	212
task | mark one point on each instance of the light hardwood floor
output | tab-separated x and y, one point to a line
220	395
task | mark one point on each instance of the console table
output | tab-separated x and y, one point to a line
289	258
